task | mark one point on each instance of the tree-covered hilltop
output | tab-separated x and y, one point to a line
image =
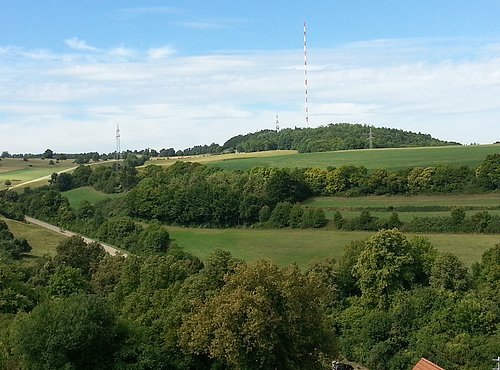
335	136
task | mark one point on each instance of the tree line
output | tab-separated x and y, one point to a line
335	136
194	194
456	222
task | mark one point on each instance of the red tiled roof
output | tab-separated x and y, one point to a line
425	364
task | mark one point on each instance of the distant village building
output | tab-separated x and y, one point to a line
425	364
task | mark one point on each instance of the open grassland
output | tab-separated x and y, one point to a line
77	196
390	159
303	246
42	241
18	171
407	207
283	246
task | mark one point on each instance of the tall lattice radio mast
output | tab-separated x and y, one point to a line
118	149
305	75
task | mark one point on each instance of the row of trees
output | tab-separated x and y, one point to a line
338	136
479	222
286	214
386	302
193	194
109	179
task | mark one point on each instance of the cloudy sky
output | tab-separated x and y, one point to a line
183	73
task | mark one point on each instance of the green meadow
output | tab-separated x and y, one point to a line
390	159
287	246
284	246
77	196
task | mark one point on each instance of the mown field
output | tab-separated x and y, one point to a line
303	246
390	159
18	171
77	196
407	207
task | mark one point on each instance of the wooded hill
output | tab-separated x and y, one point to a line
338	136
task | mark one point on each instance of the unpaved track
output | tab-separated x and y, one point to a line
109	249
47	177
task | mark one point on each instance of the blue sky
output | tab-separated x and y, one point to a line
182	73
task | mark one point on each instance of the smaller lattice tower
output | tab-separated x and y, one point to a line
277	124
370	138
118	149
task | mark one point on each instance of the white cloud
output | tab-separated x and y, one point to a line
163	99
78	44
122	52
160	53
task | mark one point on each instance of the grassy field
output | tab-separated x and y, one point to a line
303	246
41	240
390	159
18	171
407	206
77	196
282	246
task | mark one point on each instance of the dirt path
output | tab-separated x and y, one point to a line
47	177
109	249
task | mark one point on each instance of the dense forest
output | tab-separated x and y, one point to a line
386	302
338	136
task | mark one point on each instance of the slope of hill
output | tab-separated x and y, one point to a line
389	159
338	136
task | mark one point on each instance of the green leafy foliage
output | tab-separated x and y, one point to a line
390	263
488	173
79	332
263	317
76	253
10	247
338	136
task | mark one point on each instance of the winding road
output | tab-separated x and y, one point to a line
109	249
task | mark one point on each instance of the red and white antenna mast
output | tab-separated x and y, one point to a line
305	75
